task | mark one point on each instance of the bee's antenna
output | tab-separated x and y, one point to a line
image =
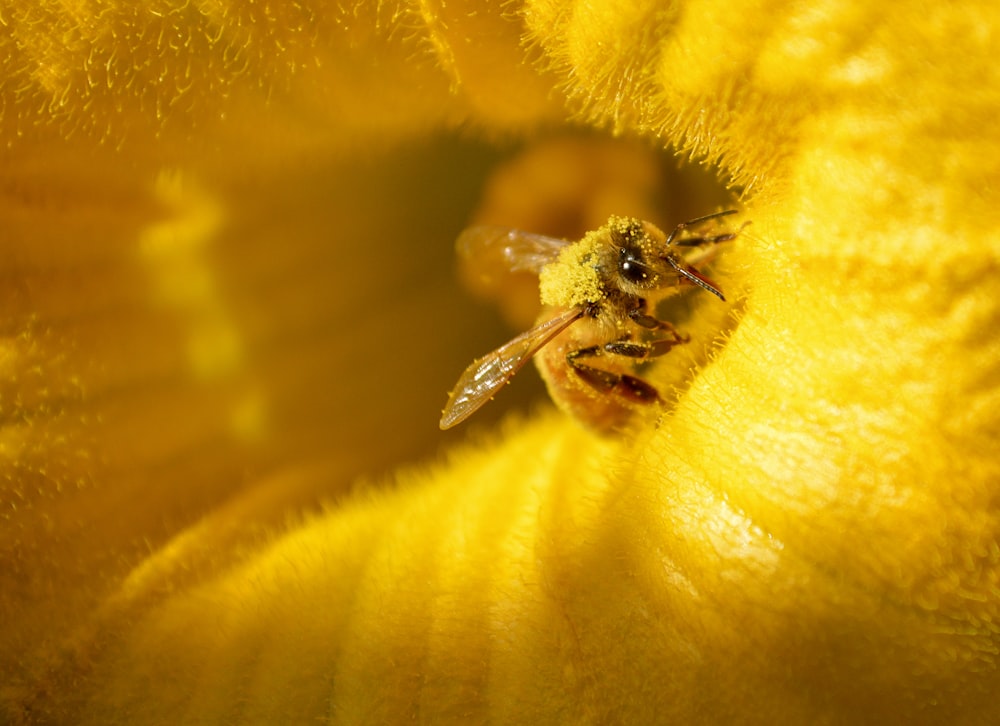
696	277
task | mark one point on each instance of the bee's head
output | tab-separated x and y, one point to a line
637	258
646	259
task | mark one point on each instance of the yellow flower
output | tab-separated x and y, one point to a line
227	296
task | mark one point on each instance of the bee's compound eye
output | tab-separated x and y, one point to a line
631	267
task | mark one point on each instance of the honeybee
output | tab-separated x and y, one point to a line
600	296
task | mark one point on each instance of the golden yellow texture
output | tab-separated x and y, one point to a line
571	279
226	296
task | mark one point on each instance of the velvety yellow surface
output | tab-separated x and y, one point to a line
227	298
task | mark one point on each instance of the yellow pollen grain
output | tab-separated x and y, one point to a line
573	279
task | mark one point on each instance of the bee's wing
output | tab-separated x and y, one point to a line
486	375
514	249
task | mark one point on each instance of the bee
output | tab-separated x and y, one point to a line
599	322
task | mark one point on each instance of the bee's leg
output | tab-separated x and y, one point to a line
640	317
640	351
697	241
706	248
702	241
629	387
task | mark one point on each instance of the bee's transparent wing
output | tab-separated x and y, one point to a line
514	249
486	375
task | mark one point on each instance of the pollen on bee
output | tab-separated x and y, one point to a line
573	278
